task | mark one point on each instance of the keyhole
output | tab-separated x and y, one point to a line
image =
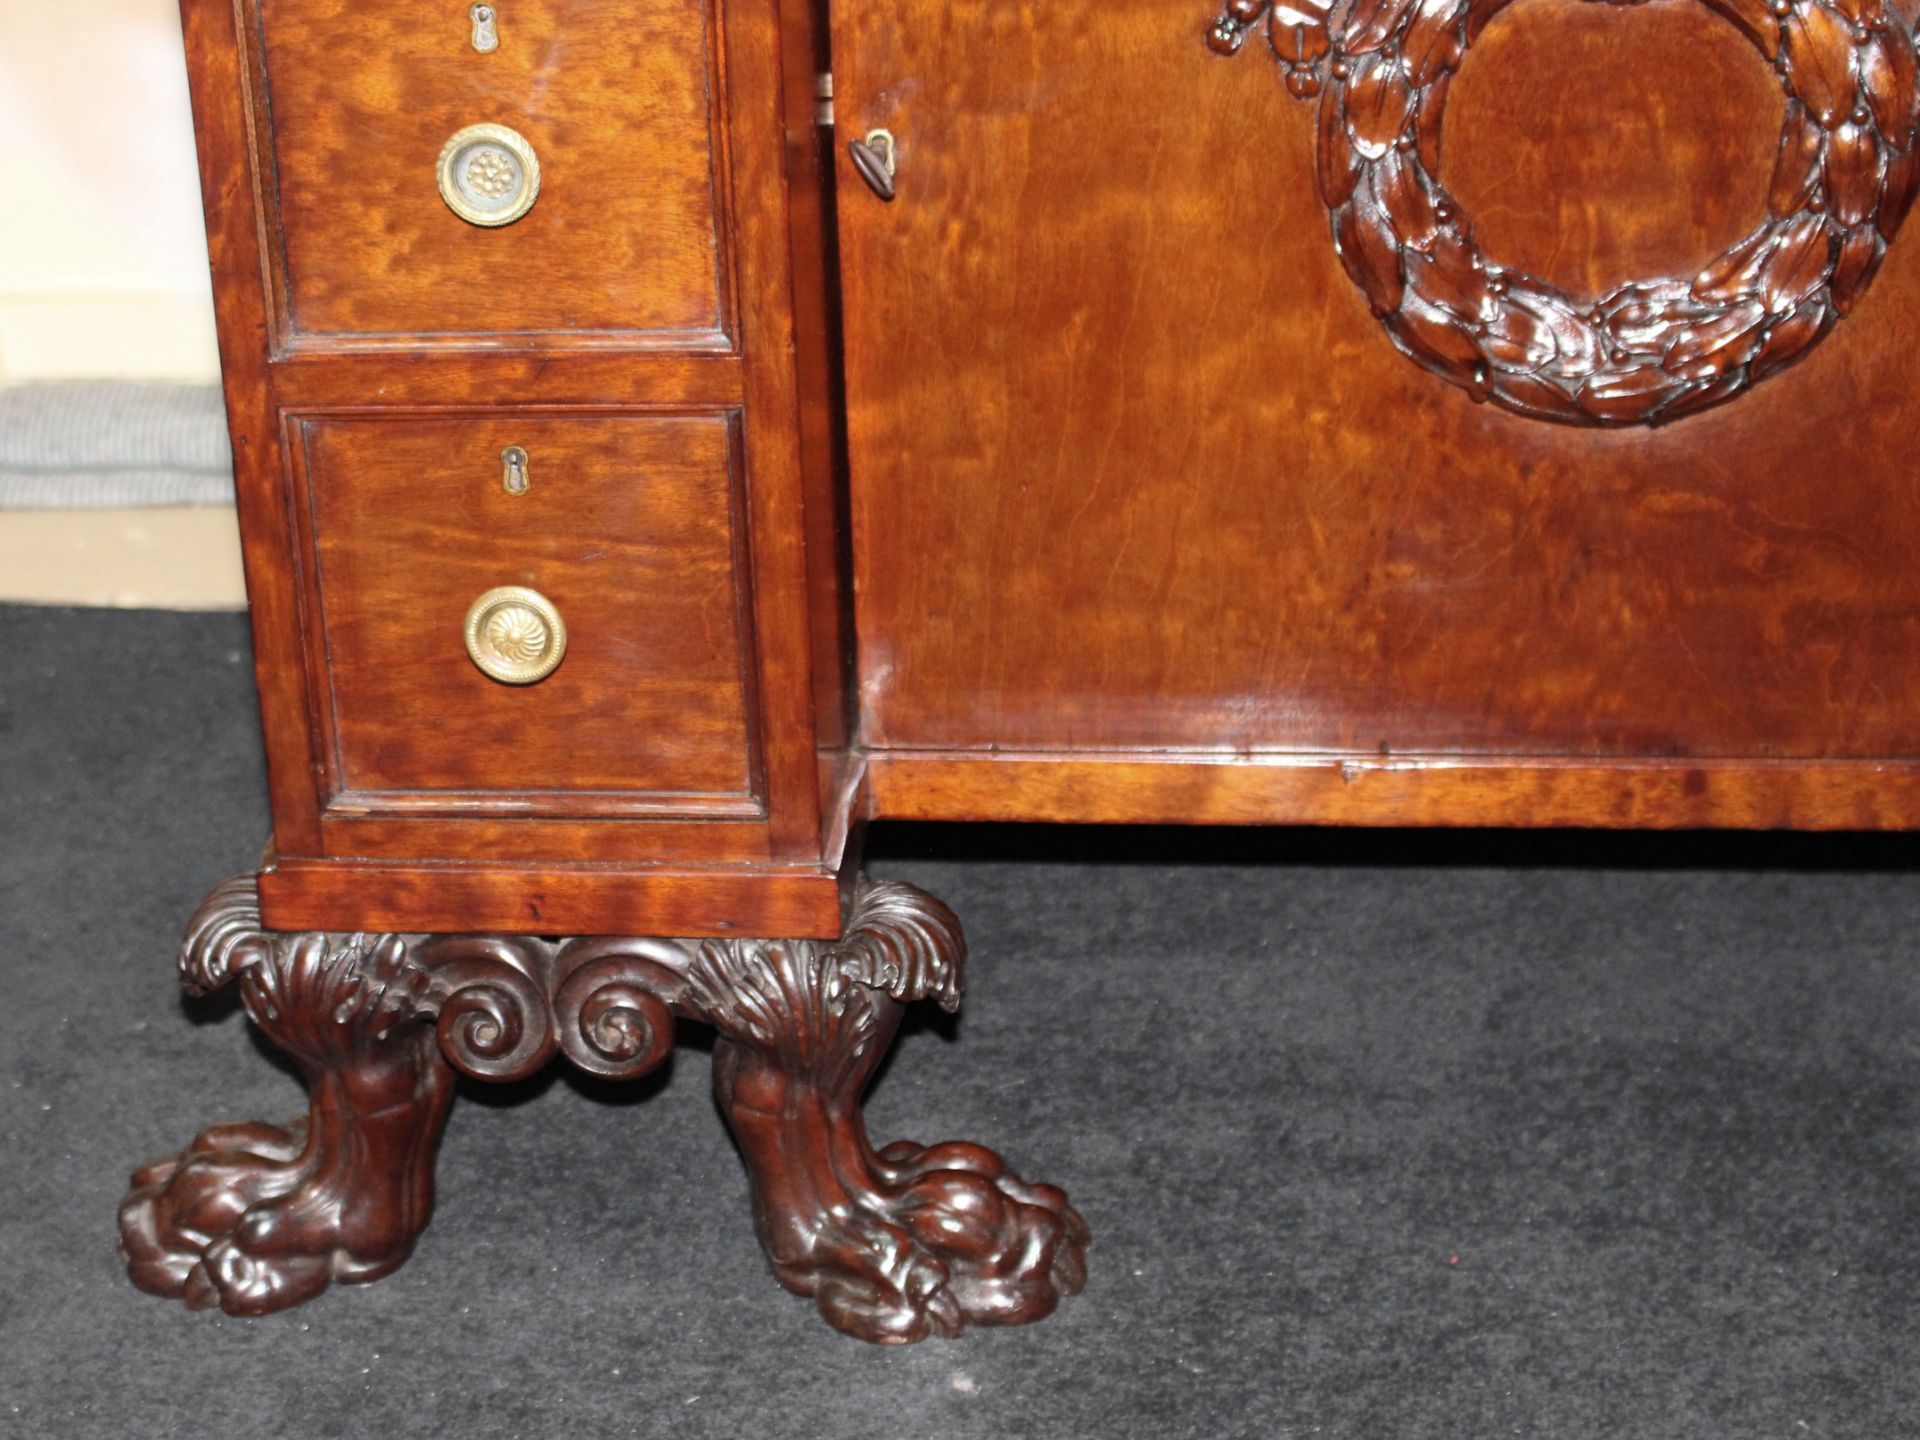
514	476
486	38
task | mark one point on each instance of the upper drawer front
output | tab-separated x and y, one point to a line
617	101
627	526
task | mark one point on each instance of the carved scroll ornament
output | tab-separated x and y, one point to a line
893	1243
1649	351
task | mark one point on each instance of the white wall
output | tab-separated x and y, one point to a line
103	260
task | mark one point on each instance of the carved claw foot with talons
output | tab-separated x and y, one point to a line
892	1245
920	1241
255	1217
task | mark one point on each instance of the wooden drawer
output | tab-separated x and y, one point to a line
623	244
631	527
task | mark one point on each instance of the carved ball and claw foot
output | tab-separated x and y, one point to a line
893	1244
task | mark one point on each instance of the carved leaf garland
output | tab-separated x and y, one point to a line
1650	350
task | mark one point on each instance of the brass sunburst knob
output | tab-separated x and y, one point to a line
515	635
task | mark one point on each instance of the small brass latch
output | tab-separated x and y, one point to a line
486	37
873	157
515	477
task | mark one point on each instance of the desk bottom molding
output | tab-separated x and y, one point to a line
893	1244
1172	787
535	898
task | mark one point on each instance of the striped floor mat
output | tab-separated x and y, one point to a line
102	444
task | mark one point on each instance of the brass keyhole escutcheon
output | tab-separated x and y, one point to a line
486	36
515	635
515	476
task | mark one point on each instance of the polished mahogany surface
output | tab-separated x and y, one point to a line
1134	470
619	103
656	319
1657	158
1135	411
627	526
1144	515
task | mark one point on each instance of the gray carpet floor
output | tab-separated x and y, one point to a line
1379	1136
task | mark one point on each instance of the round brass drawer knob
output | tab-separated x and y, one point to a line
489	175
515	635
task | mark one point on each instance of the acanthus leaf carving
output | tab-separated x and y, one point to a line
897	1243
894	1244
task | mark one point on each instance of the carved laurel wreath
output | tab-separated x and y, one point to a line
1650	351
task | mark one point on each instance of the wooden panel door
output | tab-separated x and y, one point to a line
1134	466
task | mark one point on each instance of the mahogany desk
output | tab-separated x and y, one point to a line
671	433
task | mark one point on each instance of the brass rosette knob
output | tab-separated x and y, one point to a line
515	635
489	175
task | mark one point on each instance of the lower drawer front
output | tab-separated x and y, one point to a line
628	527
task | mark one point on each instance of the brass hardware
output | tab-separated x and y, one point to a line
515	635
486	38
823	99
873	157
489	175
515	478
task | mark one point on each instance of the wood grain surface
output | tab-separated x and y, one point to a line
619	103
519	896
1132	466
628	527
1141	500
1673	81
1135	788
655	284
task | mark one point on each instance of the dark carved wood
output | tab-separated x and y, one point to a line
893	1244
256	1217
1648	351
